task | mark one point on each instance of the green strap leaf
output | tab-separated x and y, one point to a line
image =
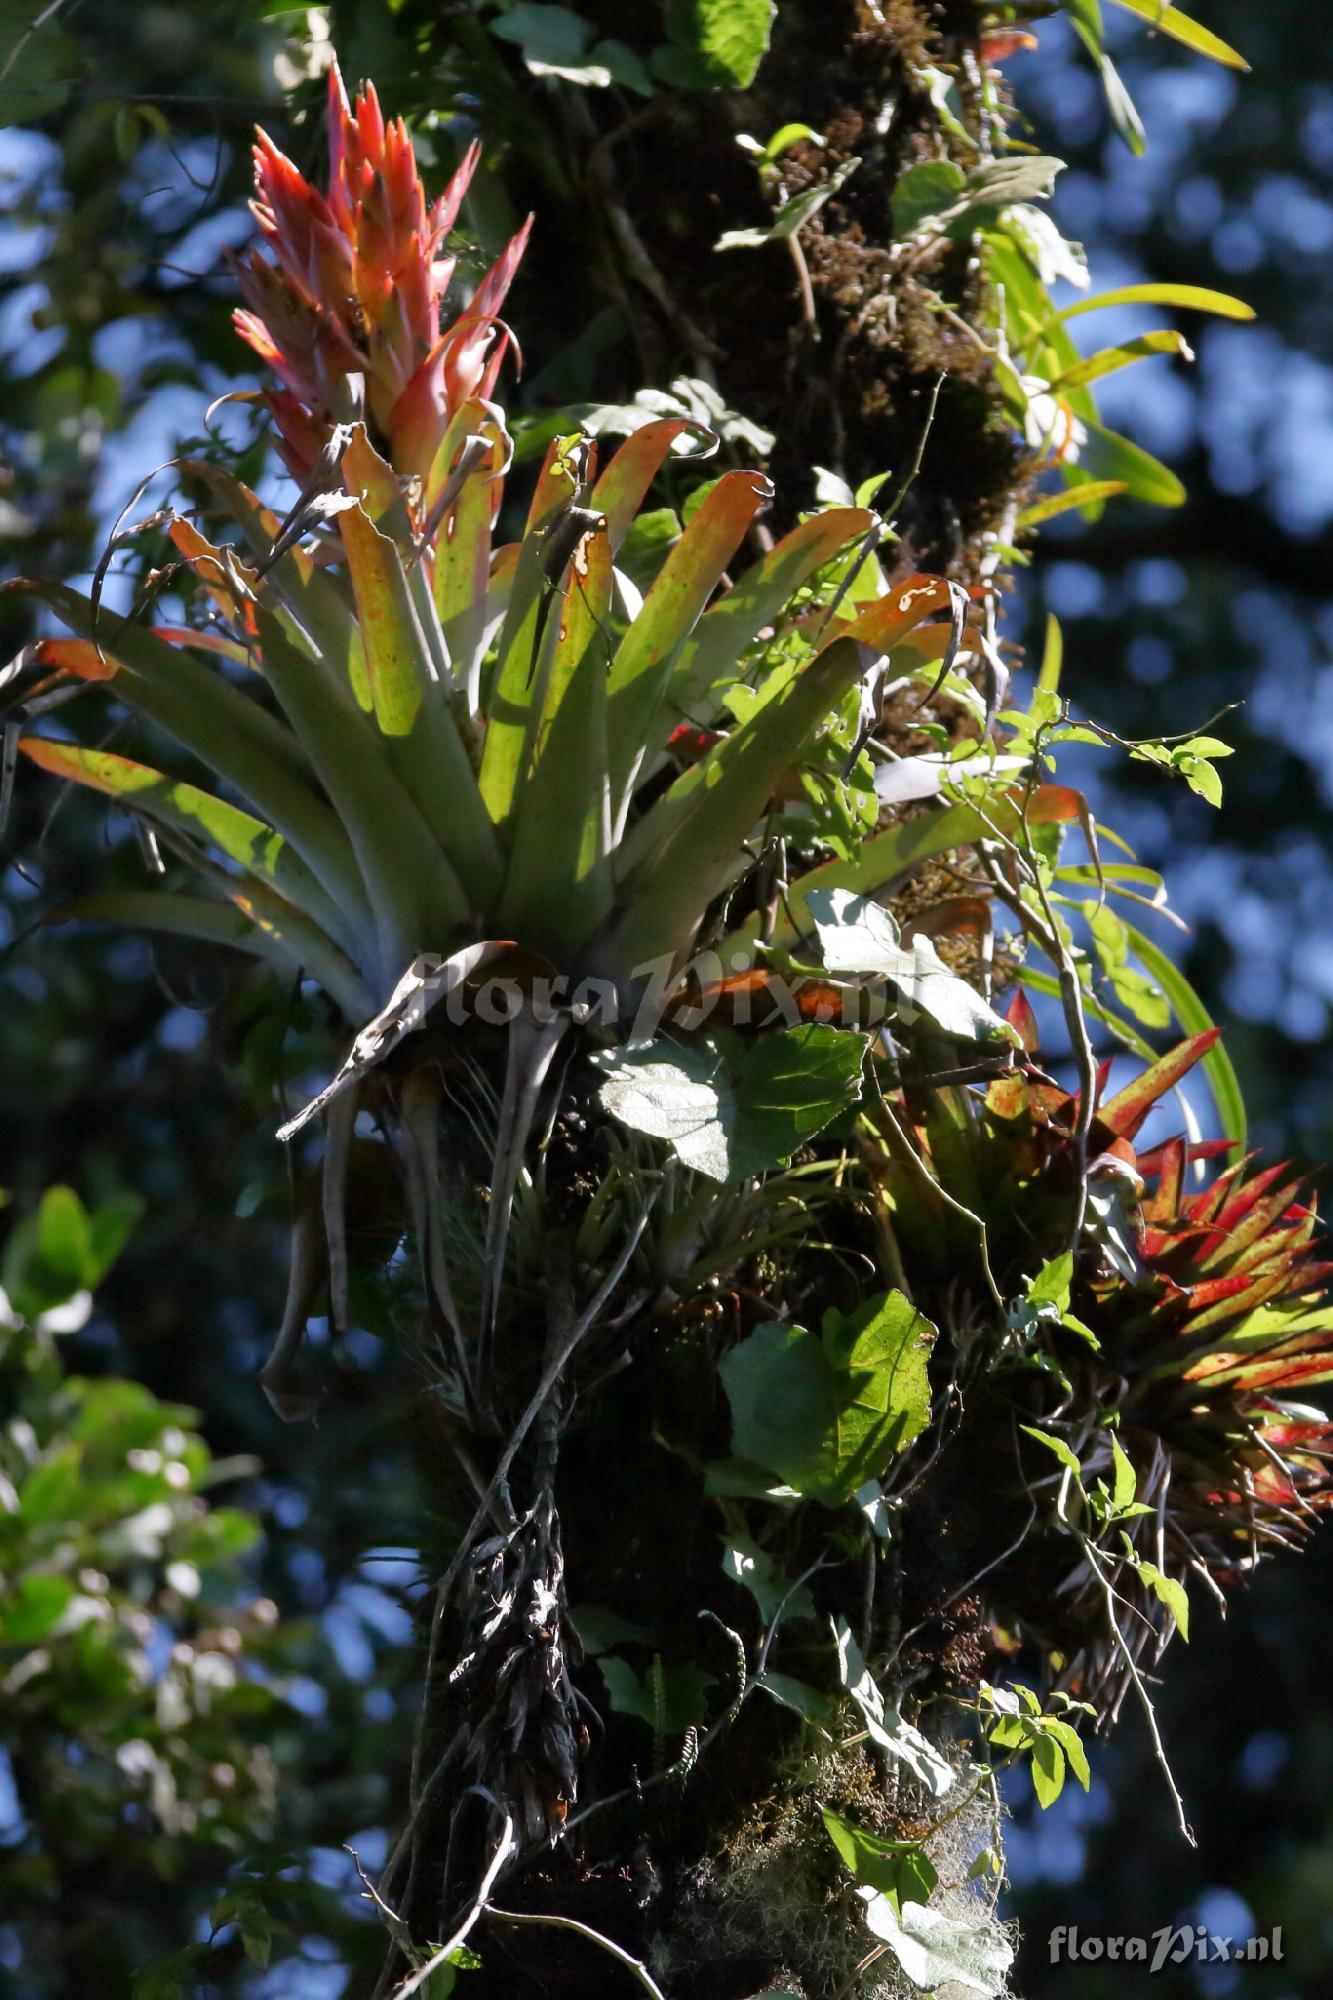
417	899
229	733
1105	455
1090	494
713	651
526	633
312	600
692	837
236	926
1195	1019
559	885
253	845
642	667
411	709
620	491
1182	28
882	859
1164	340
1190	298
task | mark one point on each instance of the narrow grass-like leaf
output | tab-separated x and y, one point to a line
1109	360
1105	455
1092	493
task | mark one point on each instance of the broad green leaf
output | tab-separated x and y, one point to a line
553	42
899	1869
936	1950
1182	28
1170	1592
64	1237
827	1411
669	1699
685	1097
110	1227
1057	1445
732	1119
754	1569
33	1604
807	1702
1017	177
928	188
722	42
51	1490
1126	1480
790	1086
858	937
62	1250
1048	1770
1071	1743
600	1629
1051	1284
939	191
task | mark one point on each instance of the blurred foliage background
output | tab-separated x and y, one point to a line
123	179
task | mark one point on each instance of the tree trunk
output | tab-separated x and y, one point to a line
689	1833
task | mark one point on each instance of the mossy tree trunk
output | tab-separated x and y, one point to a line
695	1840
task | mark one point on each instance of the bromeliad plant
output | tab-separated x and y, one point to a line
612	858
445	766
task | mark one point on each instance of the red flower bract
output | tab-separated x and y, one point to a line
348	312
